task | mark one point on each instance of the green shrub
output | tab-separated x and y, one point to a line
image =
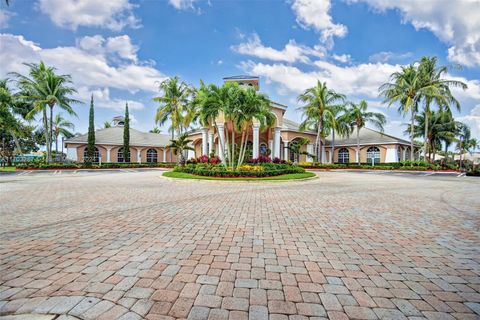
268	170
109	165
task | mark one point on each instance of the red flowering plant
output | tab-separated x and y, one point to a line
260	159
203	159
215	160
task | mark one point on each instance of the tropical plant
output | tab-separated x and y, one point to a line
126	135
8	121
60	127
179	146
44	88
107	124
404	89
296	148
174	103
337	122
319	103
155	130
435	90
358	117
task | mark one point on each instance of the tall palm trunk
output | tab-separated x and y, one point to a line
425	133
17	143
47	136
233	146
318	142
358	145
240	161
56	144
412	130
51	130
333	146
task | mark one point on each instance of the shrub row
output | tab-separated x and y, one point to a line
109	165
221	171
417	165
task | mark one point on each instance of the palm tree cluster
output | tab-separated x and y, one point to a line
328	112
238	106
421	90
38	93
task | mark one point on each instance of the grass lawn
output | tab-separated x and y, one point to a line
293	176
7	168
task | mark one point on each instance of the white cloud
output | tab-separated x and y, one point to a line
473	121
5	16
386	56
110	14
182	4
120	47
102	99
359	80
316	14
89	63
456	23
292	52
344	58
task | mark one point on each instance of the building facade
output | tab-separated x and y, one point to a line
274	141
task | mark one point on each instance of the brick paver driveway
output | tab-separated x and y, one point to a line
135	245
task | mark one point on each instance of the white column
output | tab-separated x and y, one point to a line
204	141
221	139
276	142
190	153
391	155
164	154
285	150
210	143
309	150
256	140
270	146
139	155
108	154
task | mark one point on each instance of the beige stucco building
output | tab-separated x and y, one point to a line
274	141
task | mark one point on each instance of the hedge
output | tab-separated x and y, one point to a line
223	172
405	165
109	165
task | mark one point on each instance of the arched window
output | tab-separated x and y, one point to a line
120	156
373	155
343	155
152	155
96	155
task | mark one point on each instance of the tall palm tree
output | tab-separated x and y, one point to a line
174	102
337	122
44	88
60	127
179	146
318	103
8	120
404	88
359	117
435	89
463	137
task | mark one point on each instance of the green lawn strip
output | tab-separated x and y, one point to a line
7	168
292	176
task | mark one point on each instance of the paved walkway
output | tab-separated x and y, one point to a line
135	245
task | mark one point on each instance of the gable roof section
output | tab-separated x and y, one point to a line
114	136
367	136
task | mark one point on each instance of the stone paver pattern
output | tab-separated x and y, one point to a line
140	246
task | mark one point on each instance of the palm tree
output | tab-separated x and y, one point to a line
8	121
44	88
404	88
155	130
319	102
464	136
60	127
107	124
435	90
358	117
296	147
179	146
337	122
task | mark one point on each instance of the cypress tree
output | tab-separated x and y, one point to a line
91	134
126	136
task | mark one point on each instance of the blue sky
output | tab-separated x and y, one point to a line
118	50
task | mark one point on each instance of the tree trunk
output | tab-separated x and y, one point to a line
47	136
358	145
56	144
17	144
425	133
233	149
411	135
51	131
244	147
318	142
333	146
